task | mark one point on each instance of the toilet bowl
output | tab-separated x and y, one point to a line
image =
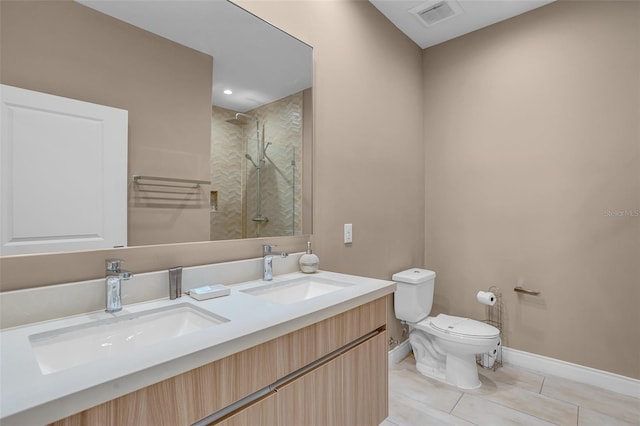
457	340
444	346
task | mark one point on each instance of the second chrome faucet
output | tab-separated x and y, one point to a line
113	282
267	273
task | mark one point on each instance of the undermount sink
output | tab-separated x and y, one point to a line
68	347
297	290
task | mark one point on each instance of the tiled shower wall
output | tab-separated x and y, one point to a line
227	168
235	178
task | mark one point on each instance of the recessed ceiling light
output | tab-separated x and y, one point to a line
227	92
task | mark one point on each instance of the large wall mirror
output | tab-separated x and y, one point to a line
214	95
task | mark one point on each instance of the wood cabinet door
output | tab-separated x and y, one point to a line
365	384
313	399
349	390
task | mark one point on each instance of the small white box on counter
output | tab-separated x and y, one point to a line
209	292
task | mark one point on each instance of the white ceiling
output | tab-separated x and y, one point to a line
475	14
258	62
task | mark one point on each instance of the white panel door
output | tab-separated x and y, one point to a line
63	174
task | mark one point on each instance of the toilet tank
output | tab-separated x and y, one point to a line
413	298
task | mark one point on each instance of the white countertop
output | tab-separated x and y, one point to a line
29	397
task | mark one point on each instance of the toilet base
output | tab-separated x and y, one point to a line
432	360
462	371
439	374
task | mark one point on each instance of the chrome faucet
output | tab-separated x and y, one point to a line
267	273
113	281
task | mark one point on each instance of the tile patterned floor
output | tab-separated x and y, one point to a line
508	396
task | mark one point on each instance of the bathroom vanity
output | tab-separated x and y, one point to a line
301	349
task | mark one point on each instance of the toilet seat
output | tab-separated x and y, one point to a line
461	327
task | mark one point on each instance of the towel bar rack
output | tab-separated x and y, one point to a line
526	291
196	183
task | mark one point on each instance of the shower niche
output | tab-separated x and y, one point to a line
256	169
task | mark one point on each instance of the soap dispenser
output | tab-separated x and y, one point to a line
309	261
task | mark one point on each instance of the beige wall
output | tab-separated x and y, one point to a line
66	49
532	142
368	156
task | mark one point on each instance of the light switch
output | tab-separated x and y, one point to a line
348	233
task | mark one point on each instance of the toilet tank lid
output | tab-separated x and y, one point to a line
414	276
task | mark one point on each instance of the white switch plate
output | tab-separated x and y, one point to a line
348	233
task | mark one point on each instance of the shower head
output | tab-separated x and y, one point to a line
241	119
240	115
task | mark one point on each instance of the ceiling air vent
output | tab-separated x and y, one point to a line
435	12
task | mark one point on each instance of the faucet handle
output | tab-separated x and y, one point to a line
266	249
113	265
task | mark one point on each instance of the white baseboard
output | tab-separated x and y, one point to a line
550	366
398	353
578	373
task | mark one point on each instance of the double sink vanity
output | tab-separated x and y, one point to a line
300	349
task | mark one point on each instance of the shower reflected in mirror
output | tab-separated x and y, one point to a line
262	148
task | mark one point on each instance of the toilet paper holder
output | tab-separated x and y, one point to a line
494	318
523	290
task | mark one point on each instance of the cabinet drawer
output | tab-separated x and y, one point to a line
302	347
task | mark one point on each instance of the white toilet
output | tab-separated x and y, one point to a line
444	346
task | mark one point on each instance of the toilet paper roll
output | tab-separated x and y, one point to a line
494	351
486	298
488	359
